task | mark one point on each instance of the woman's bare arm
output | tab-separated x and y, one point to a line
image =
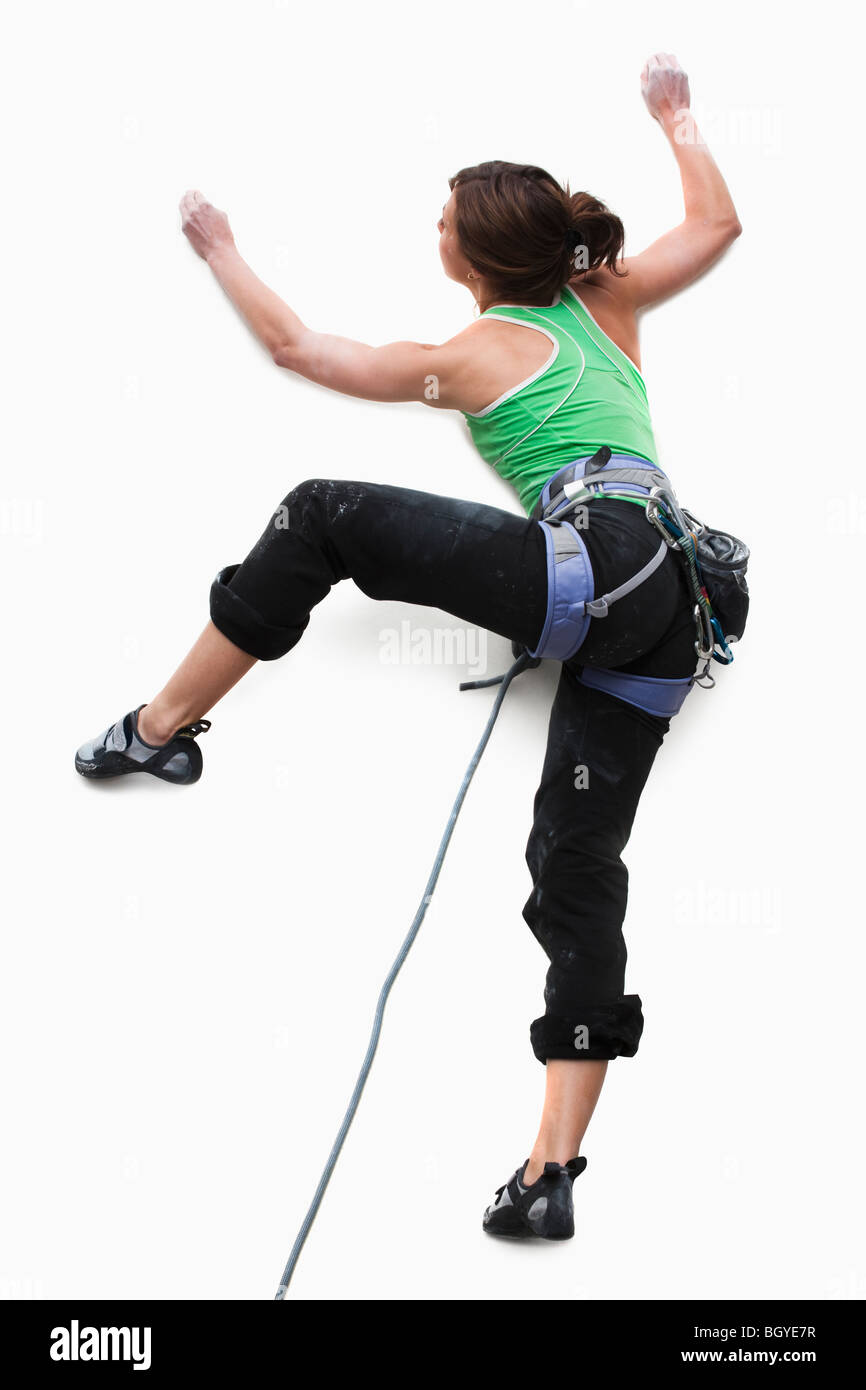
710	223
436	375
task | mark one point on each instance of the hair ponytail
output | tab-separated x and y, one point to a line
596	231
526	234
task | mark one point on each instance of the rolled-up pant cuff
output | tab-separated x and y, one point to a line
243	625
592	1033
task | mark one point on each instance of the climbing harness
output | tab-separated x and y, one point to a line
715	565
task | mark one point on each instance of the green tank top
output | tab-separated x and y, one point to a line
587	394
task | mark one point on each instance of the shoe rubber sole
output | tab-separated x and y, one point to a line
115	765
523	1235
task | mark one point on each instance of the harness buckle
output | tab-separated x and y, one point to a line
576	491
597	607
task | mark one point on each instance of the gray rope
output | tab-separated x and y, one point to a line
522	662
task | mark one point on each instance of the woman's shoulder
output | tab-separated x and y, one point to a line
492	356
602	295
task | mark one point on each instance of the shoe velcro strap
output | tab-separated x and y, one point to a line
514	1191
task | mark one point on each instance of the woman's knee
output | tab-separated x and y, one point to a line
306	499
263	605
328	514
329	496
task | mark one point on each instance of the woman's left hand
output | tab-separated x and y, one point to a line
205	227
664	86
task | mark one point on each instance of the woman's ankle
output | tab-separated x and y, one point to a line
154	728
542	1155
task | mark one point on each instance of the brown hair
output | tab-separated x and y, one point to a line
519	229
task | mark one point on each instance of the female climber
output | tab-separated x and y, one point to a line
548	380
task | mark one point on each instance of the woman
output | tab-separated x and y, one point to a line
540	405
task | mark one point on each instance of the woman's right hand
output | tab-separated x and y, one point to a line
205	227
664	86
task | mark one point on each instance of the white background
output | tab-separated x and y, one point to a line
188	976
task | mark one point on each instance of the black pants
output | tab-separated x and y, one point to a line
489	568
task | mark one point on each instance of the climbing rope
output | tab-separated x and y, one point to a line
523	662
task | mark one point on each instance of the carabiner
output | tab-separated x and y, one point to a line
694	521
705	679
705	634
661	525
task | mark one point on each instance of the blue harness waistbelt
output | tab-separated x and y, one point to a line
572	601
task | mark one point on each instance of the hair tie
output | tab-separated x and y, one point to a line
572	238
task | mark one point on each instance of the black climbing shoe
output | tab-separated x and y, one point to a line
120	750
543	1209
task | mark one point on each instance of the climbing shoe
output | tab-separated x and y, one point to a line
544	1209
120	749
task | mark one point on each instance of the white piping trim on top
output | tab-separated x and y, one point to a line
503	318
590	316
571	390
